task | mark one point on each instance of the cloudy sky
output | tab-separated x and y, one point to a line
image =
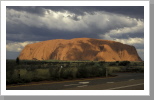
30	24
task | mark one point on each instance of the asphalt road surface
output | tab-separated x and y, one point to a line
124	81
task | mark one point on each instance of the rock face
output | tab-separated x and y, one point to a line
80	49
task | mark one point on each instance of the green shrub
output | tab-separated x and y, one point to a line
91	70
83	71
113	69
112	64
54	73
11	77
41	74
69	72
26	76
96	71
124	63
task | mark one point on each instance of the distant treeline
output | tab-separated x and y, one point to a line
116	63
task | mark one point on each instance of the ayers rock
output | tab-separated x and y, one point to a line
79	49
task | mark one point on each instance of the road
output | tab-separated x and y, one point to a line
124	81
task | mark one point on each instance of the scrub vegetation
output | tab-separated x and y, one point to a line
29	71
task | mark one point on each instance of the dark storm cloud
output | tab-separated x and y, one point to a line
21	33
139	46
25	24
139	35
30	9
132	11
29	30
126	36
12	55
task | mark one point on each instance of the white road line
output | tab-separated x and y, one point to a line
124	86
82	86
77	84
109	82
83	82
71	84
131	79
